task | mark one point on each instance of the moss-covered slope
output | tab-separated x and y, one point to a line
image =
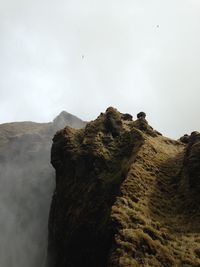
125	196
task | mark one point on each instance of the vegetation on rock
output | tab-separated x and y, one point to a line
125	196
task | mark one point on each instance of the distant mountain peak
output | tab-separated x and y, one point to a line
65	118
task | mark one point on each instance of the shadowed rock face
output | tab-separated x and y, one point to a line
192	161
125	196
190	183
26	182
90	166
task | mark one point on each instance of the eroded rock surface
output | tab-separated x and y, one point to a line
125	196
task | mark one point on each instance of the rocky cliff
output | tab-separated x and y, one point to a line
125	196
27	182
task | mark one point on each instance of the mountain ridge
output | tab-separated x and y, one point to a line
27	182
125	196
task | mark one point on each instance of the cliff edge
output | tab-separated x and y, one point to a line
125	196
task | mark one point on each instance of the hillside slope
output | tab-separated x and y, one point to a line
125	196
27	182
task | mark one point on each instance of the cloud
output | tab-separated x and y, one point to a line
84	56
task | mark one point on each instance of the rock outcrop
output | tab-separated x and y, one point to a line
90	167
125	196
27	182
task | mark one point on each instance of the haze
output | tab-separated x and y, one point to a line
83	56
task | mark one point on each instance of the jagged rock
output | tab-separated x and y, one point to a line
185	139
113	122
127	117
142	124
123	196
91	165
141	115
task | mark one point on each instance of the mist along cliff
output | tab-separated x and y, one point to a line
125	196
26	186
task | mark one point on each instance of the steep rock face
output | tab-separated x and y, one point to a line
125	196
192	164
91	165
189	179
26	182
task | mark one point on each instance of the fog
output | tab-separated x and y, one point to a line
27	182
83	56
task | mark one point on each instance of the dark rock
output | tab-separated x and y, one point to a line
127	117
191	161
113	123
185	139
197	252
141	115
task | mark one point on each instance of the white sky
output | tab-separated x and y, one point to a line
83	56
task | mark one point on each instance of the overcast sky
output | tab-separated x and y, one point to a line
83	56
